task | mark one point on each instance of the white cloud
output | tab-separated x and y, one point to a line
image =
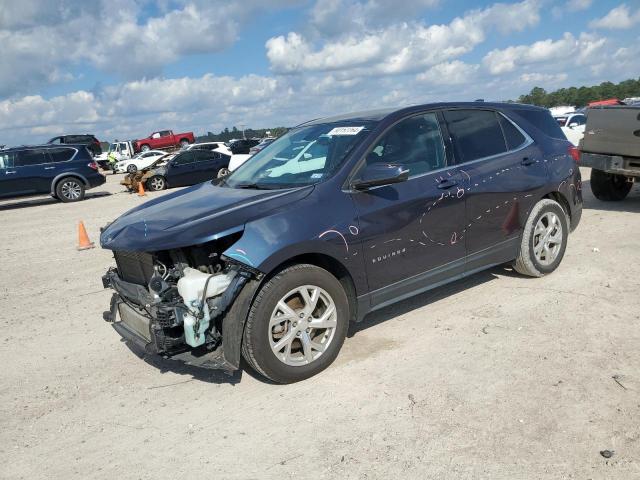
400	47
449	73
577	50
39	38
618	18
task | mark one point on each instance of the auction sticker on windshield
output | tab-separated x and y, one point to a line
345	131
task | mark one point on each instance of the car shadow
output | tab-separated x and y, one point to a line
39	201
629	204
422	300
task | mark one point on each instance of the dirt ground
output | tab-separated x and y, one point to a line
497	376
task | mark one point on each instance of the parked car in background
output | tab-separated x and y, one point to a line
572	125
131	180
217	146
90	141
186	168
139	161
339	217
121	151
164	139
241	146
263	143
65	172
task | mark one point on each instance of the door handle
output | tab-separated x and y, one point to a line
10	173
49	168
526	161
444	184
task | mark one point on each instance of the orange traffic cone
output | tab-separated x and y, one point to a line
83	238
141	190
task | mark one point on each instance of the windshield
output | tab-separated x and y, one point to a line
304	156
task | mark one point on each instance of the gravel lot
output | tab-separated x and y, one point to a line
496	376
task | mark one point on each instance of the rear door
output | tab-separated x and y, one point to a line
207	164
503	173
413	231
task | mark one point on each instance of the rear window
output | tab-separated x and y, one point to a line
543	121
61	154
475	133
512	135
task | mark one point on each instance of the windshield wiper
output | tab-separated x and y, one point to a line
252	186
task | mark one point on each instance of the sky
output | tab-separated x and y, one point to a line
124	68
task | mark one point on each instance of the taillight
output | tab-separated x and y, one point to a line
575	153
93	165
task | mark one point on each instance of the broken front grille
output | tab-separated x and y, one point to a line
134	267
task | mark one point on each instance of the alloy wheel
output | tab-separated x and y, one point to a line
71	190
547	238
302	325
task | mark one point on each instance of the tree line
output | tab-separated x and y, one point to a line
581	96
226	134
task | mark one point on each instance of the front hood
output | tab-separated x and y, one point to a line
193	216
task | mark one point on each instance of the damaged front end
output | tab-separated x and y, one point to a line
186	304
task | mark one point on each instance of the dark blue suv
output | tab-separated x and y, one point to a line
64	172
339	217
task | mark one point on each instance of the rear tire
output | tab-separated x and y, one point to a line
156	183
70	189
310	327
609	187
544	239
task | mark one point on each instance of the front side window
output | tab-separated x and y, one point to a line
30	157
475	134
415	143
155	135
184	158
304	156
6	160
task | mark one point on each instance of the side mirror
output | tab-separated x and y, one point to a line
307	156
378	174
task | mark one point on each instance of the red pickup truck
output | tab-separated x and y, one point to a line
163	139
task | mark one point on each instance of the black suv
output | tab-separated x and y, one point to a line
63	171
90	141
243	146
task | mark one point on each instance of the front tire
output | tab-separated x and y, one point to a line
131	168
70	189
296	325
184	143
544	239
145	148
609	187
156	183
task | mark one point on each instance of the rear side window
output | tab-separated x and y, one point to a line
475	133
202	155
30	157
60	154
77	139
512	135
543	121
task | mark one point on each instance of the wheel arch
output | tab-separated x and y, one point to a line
562	200
57	178
328	263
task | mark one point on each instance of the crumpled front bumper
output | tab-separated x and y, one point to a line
144	334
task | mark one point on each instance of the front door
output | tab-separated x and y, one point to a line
181	170
503	173
412	232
